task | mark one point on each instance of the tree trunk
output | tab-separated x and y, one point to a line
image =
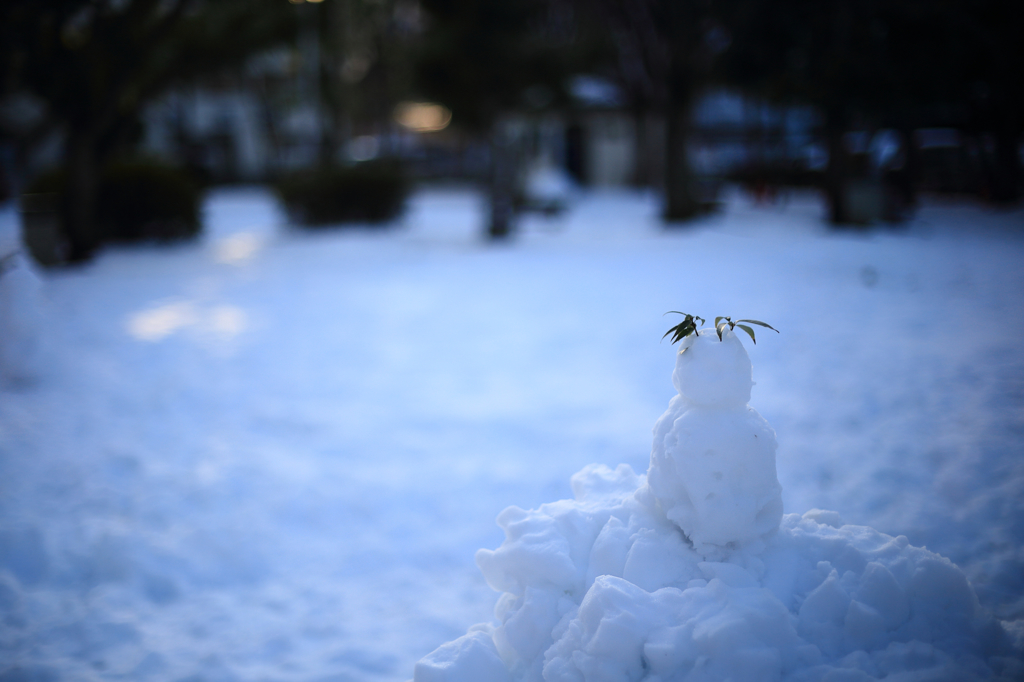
641	159
79	211
500	188
836	174
311	77
680	200
1007	177
908	177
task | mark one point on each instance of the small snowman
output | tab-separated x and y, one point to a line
712	466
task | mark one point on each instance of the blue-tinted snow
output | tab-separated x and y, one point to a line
272	454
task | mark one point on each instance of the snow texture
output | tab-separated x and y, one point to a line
271	454
687	575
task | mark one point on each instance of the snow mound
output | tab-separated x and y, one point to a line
693	573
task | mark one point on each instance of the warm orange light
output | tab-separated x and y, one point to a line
422	117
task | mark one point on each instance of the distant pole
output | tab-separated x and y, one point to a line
309	49
501	179
680	204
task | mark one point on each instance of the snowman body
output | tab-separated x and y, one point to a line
712	467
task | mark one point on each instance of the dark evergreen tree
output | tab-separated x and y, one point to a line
95	64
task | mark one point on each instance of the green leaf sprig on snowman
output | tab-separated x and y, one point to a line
689	326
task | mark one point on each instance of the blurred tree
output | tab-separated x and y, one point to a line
95	63
639	62
901	64
483	59
995	86
365	65
641	67
666	53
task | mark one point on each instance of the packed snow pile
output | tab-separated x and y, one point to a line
693	573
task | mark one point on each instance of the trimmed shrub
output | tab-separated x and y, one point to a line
136	201
778	174
373	192
142	200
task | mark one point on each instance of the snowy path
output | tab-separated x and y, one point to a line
272	454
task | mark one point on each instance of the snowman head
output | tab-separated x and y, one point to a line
713	372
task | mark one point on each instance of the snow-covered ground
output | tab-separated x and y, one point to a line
272	454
